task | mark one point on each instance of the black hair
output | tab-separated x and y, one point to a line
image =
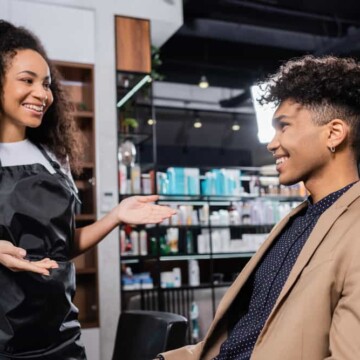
329	86
58	130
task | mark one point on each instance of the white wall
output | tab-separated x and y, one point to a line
67	33
83	31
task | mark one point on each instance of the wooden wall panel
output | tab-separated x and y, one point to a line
133	47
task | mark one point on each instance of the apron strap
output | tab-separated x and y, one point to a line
52	162
57	168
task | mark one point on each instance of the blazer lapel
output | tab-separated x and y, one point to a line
320	230
234	289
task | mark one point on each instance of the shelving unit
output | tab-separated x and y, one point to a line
78	81
218	267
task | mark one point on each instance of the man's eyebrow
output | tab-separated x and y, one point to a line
33	74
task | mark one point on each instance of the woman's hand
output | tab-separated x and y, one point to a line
139	210
12	257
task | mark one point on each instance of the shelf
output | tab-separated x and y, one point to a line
179	288
240	226
89	324
137	139
83	184
78	82
245	254
86	271
88	165
85	217
83	114
205	256
218	198
133	259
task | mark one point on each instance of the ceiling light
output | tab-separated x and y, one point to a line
235	126
151	122
197	123
203	83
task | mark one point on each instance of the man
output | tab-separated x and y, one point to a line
299	296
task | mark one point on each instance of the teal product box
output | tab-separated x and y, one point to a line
192	181
219	180
176	178
208	184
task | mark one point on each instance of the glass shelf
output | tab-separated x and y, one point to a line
136	138
179	288
133	259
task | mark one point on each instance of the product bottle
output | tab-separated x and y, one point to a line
194	273
177	277
189	242
122	241
135	174
153	245
143	243
194	315
134	237
122	178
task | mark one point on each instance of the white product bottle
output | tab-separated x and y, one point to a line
194	273
134	237
177	277
194	316
143	243
122	178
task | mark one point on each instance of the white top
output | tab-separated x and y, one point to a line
26	153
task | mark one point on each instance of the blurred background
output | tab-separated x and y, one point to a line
230	45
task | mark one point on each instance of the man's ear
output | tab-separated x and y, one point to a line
338	132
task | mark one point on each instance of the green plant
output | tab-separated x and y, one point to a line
131	122
155	63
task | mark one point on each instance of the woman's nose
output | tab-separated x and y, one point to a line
40	93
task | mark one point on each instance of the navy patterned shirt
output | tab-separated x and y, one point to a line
269	277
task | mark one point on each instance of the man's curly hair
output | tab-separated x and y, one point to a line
328	86
58	130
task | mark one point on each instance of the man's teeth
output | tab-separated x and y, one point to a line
281	160
34	107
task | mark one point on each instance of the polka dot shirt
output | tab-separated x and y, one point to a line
269	278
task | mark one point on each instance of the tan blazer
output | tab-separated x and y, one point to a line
317	314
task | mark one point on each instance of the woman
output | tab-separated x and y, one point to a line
38	146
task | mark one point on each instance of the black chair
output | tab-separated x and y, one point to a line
141	334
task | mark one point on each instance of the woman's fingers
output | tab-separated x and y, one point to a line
6	247
147	198
12	257
160	213
15	264
46	263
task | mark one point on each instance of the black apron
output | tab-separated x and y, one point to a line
38	319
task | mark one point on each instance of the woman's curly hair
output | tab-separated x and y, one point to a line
58	130
328	86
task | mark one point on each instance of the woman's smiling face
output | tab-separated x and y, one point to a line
26	94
